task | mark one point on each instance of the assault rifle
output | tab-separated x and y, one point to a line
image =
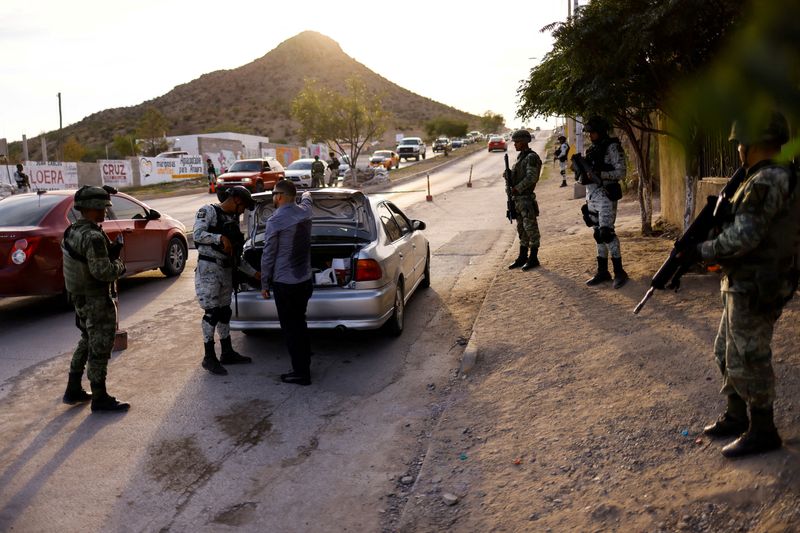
511	208
583	173
683	255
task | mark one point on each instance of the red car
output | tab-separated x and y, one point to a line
497	143
258	175
32	226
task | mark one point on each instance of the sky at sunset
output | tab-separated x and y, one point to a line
100	54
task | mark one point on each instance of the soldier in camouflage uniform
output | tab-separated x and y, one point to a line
524	177
607	161
317	173
91	266
562	152
757	250
218	241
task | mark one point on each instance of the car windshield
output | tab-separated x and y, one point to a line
26	210
409	141
300	164
382	153
246	166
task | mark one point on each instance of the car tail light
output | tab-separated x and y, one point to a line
368	270
23	249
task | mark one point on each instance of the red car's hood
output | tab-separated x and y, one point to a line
238	175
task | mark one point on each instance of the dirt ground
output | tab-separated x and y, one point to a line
580	416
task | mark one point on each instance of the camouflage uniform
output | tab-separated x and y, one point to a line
213	280
608	162
88	284
524	177
756	249
317	173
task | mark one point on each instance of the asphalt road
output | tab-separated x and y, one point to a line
246	452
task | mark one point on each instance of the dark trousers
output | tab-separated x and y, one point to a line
291	299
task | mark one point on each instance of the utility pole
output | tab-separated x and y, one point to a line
59	153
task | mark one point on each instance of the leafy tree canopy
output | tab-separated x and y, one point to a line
152	129
492	122
446	126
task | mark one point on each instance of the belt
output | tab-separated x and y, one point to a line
224	263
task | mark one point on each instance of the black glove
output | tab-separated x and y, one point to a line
115	248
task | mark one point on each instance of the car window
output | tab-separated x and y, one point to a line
400	218
266	165
245	166
124	209
300	164
389	224
27	210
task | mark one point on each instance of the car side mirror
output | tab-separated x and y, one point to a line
418	225
153	215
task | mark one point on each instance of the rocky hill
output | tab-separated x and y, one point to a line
256	98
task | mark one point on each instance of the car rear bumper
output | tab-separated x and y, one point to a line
328	308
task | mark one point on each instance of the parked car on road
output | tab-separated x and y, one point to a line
441	144
299	172
411	147
497	143
456	143
32	226
368	260
384	158
257	175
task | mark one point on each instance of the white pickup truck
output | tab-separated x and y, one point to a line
411	147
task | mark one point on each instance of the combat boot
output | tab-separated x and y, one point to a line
760	437
210	361
522	258
732	423
563	181
533	260
75	393
229	356
620	276
101	401
602	273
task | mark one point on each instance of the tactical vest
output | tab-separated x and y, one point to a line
596	153
77	277
517	172
228	228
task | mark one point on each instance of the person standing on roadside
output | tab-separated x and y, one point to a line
219	246
333	166
286	271
562	151
22	180
91	266
524	177
317	173
606	160
757	249
211	171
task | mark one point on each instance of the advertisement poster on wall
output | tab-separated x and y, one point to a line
163	169
52	175
286	154
115	172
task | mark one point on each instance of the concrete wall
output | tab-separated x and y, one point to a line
672	170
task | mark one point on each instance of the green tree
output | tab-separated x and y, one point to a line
73	150
446	126
124	145
624	59
491	122
152	130
348	120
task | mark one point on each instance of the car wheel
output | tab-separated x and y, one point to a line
426	279
260	186
397	320
175	260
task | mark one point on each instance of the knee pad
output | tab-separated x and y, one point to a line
563	172
225	314
212	316
604	234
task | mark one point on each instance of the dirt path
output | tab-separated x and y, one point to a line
580	416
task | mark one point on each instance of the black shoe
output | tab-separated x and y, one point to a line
533	260
602	274
522	258
761	436
620	276
733	422
563	183
229	356
296	379
75	393
101	401
210	361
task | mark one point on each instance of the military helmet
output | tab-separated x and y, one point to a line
89	197
242	193
597	124
775	130
521	135
562	138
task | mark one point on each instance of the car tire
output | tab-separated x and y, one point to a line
259	186
426	279
396	322
175	258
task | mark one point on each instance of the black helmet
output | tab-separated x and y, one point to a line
774	131
562	138
521	135
597	124
89	197
243	194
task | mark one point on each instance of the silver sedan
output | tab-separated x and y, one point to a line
367	257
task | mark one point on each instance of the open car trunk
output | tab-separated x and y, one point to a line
341	227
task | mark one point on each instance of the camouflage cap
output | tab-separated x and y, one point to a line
89	197
521	135
775	130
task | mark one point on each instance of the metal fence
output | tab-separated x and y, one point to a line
718	156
